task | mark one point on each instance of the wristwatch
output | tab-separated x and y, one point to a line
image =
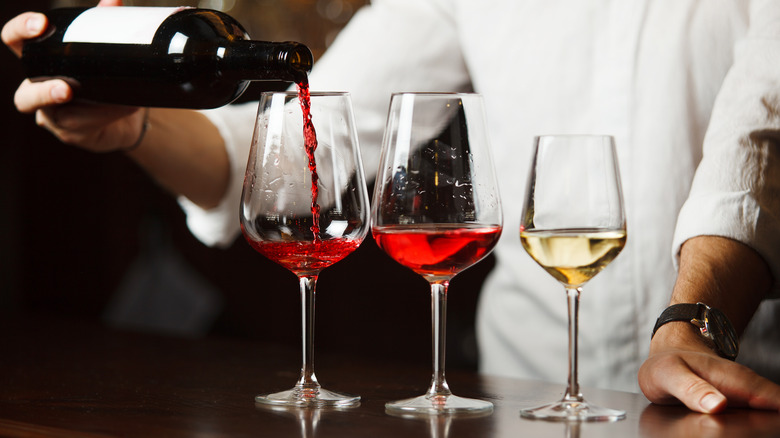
712	323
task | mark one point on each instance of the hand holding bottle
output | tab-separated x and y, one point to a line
182	151
99	128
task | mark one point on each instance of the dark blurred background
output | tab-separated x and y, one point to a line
90	236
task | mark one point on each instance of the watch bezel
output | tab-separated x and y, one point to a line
720	331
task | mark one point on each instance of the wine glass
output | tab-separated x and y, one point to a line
305	206
436	210
573	225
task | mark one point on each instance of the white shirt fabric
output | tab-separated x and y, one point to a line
654	74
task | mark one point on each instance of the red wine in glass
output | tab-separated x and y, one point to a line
437	250
303	216
301	257
436	211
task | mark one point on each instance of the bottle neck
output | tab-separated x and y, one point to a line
260	60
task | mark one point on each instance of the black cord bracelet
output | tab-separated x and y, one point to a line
144	127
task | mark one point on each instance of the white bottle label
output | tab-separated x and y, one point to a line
117	24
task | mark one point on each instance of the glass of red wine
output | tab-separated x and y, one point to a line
305	206
437	211
573	225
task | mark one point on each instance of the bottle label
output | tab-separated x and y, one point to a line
117	25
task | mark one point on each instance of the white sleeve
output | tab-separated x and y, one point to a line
219	226
736	189
389	46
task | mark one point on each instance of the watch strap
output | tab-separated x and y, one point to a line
677	312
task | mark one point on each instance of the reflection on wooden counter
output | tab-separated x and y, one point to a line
61	378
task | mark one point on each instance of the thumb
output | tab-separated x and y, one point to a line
695	392
110	3
669	376
699	395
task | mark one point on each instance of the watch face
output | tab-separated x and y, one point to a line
722	333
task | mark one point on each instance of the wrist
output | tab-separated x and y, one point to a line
678	335
145	125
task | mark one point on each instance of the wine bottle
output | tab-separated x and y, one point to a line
158	56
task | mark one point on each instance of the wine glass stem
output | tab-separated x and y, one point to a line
439	385
308	380
573	390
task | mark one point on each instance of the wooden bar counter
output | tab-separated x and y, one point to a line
61	378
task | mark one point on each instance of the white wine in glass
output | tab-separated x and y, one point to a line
573	225
573	256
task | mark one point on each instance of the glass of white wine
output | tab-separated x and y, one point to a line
573	225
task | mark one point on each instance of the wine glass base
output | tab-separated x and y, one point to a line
572	411
308	398
438	404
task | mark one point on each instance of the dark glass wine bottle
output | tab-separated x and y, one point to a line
153	56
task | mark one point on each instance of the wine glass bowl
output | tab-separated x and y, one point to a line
436	211
573	225
304	206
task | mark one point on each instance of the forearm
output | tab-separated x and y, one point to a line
724	274
184	152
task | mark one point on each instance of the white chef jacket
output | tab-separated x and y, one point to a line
654	74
